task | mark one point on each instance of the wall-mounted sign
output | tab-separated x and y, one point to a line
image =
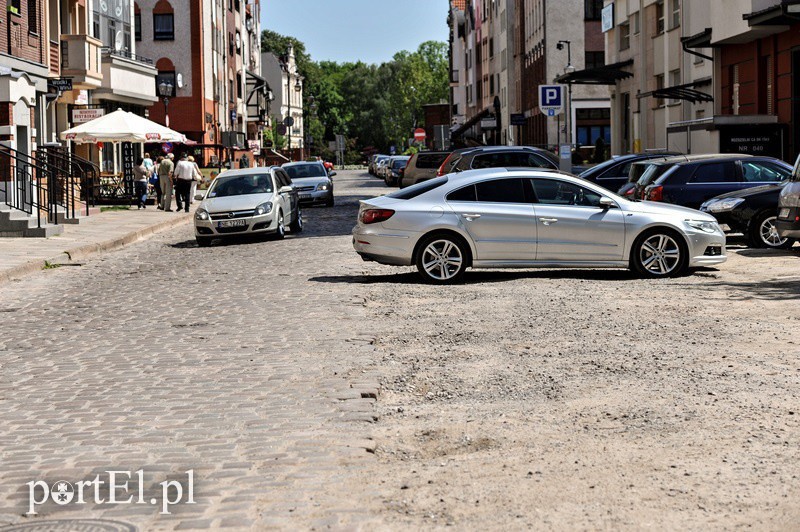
764	140
488	123
517	119
254	146
607	18
59	84
128	161
81	116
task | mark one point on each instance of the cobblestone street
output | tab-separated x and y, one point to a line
307	389
166	357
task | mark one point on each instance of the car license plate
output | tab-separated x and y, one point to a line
305	196
784	213
232	223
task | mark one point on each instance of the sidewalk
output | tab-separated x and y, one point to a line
100	232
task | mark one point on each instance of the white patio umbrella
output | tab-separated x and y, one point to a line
121	126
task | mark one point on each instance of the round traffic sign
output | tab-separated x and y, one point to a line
288	121
281	129
419	135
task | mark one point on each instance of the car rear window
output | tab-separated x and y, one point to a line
429	161
420	188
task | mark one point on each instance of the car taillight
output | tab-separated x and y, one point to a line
630	191
441	171
373	216
656	193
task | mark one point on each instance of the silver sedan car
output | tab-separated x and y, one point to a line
503	218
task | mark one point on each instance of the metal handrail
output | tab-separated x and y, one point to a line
29	187
127	55
85	177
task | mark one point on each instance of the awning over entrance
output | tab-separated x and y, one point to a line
681	92
698	40
783	14
604	75
463	128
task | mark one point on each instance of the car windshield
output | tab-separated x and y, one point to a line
299	171
399	163
796	171
240	185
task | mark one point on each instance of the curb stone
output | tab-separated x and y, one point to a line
82	252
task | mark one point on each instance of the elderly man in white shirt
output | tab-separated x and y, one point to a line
184	176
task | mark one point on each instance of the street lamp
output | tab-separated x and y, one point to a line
165	91
569	69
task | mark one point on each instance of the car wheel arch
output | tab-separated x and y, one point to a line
444	231
656	226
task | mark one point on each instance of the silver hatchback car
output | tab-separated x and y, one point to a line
503	218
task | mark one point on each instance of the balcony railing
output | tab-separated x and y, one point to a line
127	55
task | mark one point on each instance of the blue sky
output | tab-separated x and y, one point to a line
350	30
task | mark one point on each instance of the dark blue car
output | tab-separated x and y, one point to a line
613	174
693	182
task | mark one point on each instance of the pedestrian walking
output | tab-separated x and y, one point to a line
198	176
184	176
154	181
140	183
165	176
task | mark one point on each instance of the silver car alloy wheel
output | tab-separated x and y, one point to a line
769	233
443	256
281	228
660	254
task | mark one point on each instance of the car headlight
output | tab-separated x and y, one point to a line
201	214
322	186
264	208
703	225
724	205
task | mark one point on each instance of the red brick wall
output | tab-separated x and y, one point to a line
19	40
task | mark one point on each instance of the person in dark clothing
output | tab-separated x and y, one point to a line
140	179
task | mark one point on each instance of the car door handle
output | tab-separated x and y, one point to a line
549	221
470	217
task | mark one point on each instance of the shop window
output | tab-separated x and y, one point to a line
163	26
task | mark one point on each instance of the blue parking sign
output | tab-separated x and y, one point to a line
551	99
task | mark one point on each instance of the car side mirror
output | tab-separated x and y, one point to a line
607	203
199	197
285	190
332	174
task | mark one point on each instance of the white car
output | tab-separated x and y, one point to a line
248	201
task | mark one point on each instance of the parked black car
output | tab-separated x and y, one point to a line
613	174
695	180
499	157
752	212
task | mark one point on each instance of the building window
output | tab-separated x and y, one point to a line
636	23
659	102
33	16
491	48
14	6
239	86
137	26
624	36
592	9
676	13
595	59
230	90
659	17
163	27
674	81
